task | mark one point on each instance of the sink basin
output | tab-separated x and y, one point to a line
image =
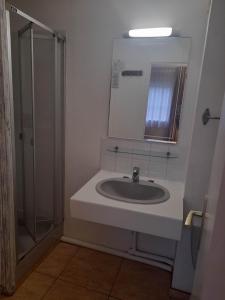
124	189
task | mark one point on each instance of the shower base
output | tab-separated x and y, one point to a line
25	242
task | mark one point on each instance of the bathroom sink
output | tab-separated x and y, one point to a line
124	189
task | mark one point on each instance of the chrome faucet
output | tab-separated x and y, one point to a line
135	175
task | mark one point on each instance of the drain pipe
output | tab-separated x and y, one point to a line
161	261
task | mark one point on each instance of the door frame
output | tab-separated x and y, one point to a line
210	273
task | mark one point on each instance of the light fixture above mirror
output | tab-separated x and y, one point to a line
151	32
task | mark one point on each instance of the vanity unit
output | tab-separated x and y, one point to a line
164	219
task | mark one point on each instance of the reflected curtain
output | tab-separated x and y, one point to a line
164	100
160	96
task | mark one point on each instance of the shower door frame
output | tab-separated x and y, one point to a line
58	207
28	27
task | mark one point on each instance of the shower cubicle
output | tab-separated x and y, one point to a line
37	56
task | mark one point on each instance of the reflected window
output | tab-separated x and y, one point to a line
164	102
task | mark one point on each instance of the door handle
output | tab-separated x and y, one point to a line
192	213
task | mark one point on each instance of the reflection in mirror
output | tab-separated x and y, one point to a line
164	102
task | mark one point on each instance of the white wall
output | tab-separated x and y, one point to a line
91	26
211	93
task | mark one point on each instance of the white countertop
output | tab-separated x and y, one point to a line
162	219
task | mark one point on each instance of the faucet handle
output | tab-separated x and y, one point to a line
135	176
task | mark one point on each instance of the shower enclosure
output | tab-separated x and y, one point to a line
37	54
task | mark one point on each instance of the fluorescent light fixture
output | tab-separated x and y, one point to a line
151	32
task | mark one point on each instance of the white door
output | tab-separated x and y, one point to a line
210	274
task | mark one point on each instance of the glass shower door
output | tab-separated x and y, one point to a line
41	65
38	88
27	134
44	127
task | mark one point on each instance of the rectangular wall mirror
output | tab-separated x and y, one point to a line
147	88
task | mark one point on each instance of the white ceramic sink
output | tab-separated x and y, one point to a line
124	189
164	219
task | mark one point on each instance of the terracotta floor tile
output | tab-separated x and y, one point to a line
33	288
56	261
92	269
86	274
66	291
137	281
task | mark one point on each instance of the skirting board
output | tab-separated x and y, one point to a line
116	252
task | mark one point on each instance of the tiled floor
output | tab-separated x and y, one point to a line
75	273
